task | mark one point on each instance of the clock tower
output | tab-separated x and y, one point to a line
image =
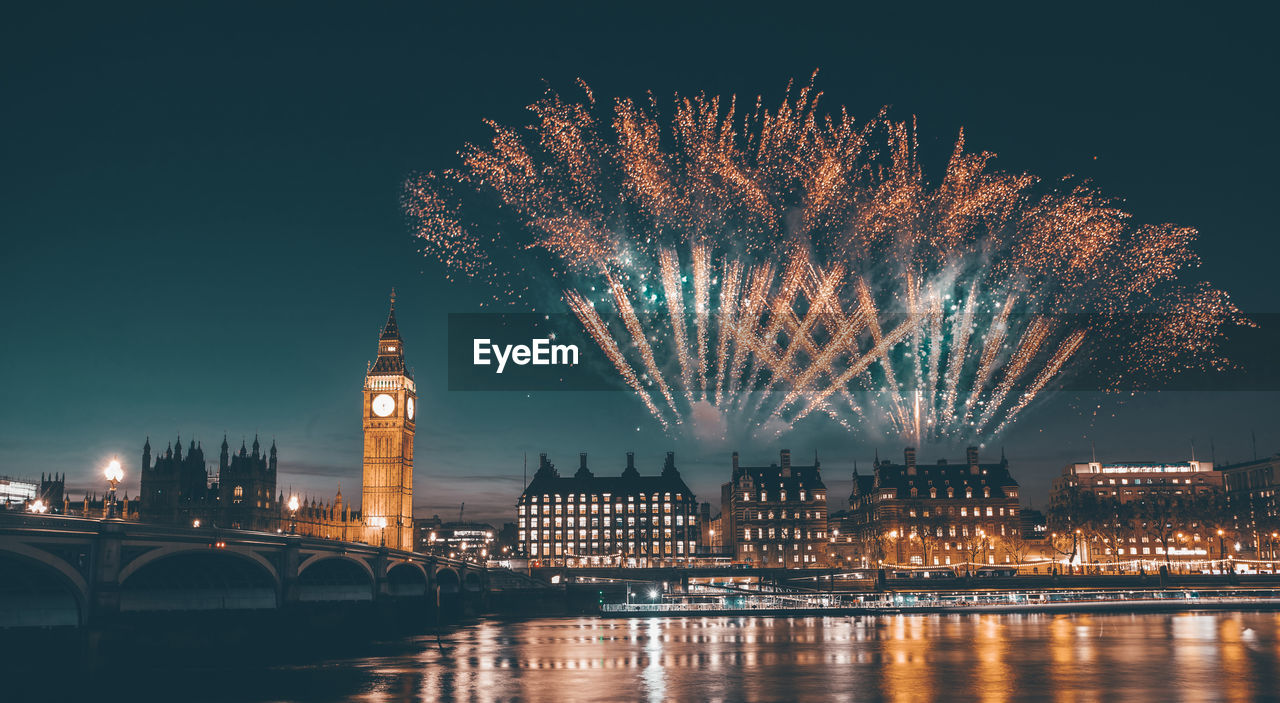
389	412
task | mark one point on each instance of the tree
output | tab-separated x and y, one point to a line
1112	520
1016	547
1161	514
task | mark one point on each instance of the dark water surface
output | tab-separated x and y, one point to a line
1075	657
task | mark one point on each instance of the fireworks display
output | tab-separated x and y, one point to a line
746	269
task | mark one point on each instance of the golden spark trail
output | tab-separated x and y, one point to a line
669	267
1051	369
873	322
727	319
961	329
857	367
701	308
990	350
1026	350
641	341
600	333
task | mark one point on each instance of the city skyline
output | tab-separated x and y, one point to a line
234	232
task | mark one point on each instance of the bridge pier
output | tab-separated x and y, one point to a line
104	586
292	558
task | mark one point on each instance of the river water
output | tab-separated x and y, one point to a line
1060	657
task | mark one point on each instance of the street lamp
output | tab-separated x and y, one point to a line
293	514
1221	552
39	507
114	475
381	524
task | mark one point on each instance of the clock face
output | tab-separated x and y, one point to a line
409	407
383	405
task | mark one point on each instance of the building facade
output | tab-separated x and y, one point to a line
937	514
389	400
776	515
1131	515
177	489
1253	496
629	520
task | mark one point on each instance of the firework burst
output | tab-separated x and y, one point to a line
761	266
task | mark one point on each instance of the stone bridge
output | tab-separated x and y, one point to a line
61	571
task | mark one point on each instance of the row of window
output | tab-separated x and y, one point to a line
600	497
546	549
595	534
595	508
966	511
786	532
793	515
607	521
817	496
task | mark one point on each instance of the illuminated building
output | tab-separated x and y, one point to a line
1253	496
14	491
471	541
1140	511
389	399
332	520
776	514
937	514
845	542
631	520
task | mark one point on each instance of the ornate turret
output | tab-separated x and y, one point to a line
146	455
390	346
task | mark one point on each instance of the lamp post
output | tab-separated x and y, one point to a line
1222	554
114	475
293	515
381	524
39	507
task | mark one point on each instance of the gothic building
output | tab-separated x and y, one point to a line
776	515
178	489
585	519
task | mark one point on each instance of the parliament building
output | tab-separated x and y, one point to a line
178	488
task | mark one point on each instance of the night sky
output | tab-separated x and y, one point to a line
201	218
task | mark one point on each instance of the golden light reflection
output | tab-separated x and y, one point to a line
1066	657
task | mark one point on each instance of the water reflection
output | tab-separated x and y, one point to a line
1149	657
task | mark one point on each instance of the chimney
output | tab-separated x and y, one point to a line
631	460
909	456
582	460
785	457
971	454
669	466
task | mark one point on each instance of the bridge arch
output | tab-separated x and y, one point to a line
39	589
472	581
447	580
191	579
407	579
334	578
164	552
